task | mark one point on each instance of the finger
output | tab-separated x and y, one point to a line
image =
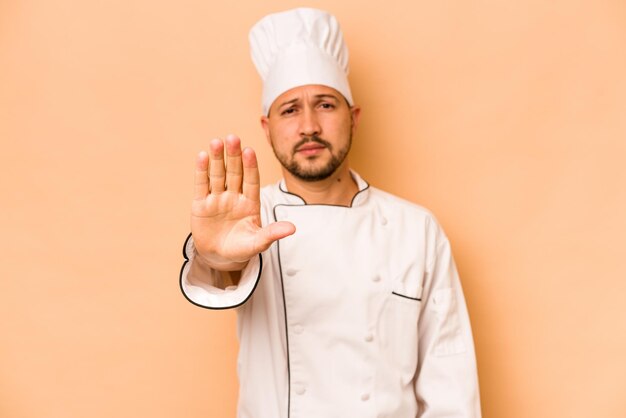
233	164
251	184
216	166
201	179
273	232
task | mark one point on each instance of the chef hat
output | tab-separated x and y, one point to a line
296	48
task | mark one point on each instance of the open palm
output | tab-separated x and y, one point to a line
226	209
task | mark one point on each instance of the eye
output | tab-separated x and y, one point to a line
288	111
327	105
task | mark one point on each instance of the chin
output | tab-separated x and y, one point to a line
313	174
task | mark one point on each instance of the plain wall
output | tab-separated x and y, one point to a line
506	118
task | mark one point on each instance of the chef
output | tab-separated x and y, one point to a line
348	300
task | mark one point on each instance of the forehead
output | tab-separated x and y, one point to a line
309	91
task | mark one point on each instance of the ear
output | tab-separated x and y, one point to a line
265	124
355	112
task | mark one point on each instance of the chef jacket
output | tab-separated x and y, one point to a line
360	313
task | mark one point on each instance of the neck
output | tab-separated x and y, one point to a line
338	189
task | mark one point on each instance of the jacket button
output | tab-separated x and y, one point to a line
383	220
376	278
369	337
291	272
298	329
365	397
300	389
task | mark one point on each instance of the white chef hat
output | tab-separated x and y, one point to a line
296	48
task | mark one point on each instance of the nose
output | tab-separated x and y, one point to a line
309	124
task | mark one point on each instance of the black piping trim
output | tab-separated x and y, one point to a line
280	186
407	297
180	282
280	269
358	193
282	286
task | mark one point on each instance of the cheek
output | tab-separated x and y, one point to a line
280	138
337	125
337	132
283	129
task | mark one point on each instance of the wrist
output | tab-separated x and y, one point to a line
207	263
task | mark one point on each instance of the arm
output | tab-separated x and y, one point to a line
447	381
213	289
223	261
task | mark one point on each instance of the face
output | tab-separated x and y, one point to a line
310	129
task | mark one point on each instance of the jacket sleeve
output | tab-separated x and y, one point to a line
205	294
446	383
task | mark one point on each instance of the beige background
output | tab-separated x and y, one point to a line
506	118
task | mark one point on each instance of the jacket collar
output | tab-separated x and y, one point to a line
359	198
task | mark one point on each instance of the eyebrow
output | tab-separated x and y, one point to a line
326	96
317	96
288	102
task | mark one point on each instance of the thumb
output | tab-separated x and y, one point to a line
273	232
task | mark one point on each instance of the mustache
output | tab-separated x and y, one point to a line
313	138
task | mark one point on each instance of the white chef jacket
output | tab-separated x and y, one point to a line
360	314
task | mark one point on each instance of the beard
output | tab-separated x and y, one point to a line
311	174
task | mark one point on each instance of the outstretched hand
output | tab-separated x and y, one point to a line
226	209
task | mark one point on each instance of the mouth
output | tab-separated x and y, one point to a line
311	146
310	149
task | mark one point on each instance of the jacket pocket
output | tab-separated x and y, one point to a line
398	332
408	289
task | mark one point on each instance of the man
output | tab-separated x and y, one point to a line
349	303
